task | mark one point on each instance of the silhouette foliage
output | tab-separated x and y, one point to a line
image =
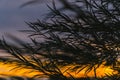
83	33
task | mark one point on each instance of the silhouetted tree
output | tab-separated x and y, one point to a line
83	33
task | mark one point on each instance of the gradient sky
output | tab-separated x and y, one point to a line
13	18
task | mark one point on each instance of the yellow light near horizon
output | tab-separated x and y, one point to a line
10	70
100	72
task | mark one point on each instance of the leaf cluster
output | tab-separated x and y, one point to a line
88	38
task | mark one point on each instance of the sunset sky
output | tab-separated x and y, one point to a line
13	18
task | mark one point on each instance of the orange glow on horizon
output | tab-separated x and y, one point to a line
10	70
100	72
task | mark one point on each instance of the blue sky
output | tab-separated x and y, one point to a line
12	17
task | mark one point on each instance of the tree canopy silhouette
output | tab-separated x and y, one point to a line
83	33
